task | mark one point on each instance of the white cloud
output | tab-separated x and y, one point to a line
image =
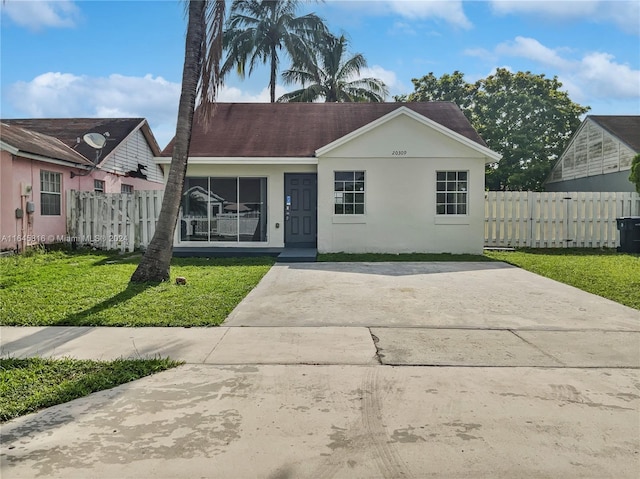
402	28
376	71
623	13
533	50
481	53
389	78
450	11
606	78
562	9
233	94
39	14
594	76
64	95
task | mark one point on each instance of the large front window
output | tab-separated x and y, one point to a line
224	209
451	192
50	195
348	192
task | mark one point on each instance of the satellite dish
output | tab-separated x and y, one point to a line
95	140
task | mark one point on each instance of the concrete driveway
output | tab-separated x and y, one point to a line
436	295
449	314
512	376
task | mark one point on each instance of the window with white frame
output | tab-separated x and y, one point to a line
50	197
348	192
224	209
128	189
98	186
451	192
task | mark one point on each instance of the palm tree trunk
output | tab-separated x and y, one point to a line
274	67
154	265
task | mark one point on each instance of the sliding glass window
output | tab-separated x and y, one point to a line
230	209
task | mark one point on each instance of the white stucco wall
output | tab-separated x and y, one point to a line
400	155
400	193
275	197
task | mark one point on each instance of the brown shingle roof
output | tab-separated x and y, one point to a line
29	141
624	127
68	130
299	129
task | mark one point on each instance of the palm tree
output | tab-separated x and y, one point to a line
260	30
326	74
200	78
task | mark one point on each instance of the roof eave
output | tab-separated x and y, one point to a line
241	160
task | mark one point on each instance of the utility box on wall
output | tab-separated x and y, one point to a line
25	189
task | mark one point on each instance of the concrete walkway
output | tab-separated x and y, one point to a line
333	345
512	375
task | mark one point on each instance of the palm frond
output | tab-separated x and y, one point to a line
302	77
274	29
306	95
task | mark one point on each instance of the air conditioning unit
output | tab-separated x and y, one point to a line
25	189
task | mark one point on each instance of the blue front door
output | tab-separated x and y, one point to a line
300	210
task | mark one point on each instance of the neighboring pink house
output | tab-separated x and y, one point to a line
42	159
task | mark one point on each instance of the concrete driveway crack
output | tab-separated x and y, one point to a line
376	340
551	356
215	346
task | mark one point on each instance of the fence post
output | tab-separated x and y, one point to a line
567	219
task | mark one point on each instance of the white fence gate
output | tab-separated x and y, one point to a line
112	220
555	220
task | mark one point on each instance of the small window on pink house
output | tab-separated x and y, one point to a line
98	186
128	189
50	188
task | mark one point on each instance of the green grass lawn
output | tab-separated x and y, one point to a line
92	289
62	288
27	385
606	273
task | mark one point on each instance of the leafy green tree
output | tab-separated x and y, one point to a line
260	31
449	87
634	177
326	73
200	78
524	117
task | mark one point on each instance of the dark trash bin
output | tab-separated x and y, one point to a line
629	227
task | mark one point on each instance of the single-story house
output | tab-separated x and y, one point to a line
42	159
598	156
339	177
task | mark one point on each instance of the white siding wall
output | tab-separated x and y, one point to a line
131	152
592	151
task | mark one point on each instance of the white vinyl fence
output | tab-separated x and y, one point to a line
112	221
512	219
556	220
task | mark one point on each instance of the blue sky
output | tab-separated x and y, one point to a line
124	58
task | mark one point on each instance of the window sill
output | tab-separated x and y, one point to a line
452	220
349	219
